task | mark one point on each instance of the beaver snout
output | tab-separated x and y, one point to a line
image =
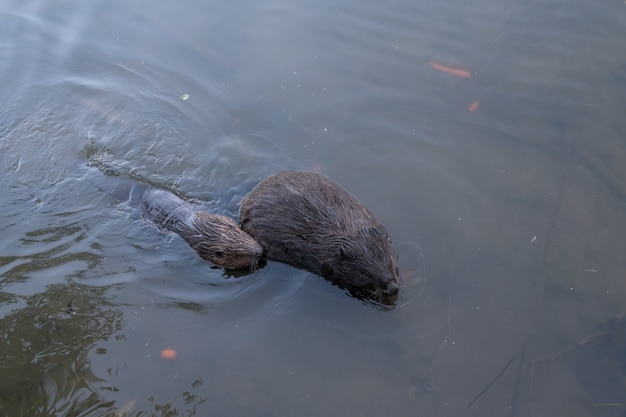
391	290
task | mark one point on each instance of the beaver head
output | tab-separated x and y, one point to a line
219	239
363	264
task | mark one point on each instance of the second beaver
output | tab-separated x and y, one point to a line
306	220
216	238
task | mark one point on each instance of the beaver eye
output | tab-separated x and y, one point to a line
219	254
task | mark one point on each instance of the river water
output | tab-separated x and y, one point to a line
488	137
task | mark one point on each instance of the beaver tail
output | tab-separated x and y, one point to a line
162	207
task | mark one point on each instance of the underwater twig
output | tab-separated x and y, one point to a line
552	358
576	344
494	380
445	339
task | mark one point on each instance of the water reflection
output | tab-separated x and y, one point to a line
52	325
46	347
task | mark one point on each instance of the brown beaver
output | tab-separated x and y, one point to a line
308	221
214	237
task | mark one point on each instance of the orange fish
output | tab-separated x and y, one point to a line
474	105
454	71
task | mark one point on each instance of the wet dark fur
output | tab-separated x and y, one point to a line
306	220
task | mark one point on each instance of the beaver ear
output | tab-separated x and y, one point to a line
370	231
327	270
344	253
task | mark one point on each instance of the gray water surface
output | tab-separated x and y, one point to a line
488	137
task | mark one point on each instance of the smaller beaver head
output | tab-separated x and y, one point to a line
219	239
364	265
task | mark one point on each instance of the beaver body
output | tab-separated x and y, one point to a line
308	221
216	238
